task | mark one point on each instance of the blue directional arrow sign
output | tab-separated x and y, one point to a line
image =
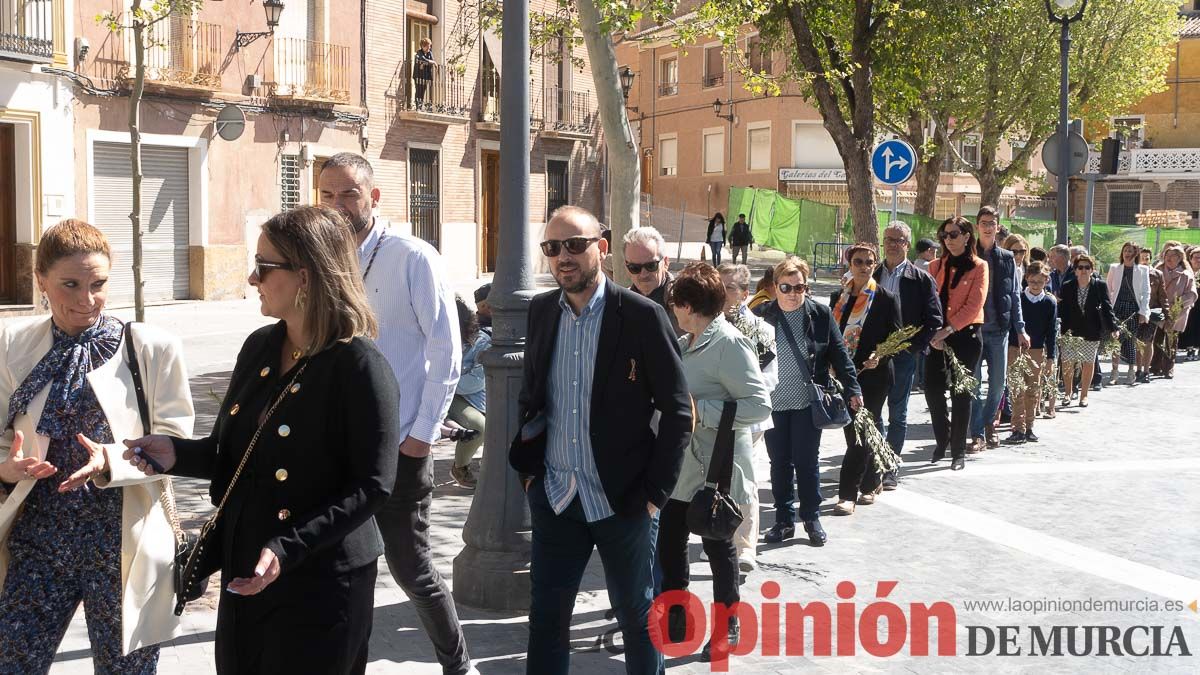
893	162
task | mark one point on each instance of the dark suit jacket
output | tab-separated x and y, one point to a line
825	340
635	465
882	321
1006	295
1092	321
919	304
339	454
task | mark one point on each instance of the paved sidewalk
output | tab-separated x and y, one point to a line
1104	507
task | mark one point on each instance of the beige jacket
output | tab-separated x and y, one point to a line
147	540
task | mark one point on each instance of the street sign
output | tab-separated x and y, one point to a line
893	162
231	122
1079	154
801	175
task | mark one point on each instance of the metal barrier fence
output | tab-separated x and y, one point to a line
827	257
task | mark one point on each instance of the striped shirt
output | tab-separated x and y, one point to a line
570	464
418	325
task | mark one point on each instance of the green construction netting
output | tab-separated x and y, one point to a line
791	225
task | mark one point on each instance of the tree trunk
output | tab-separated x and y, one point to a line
861	186
135	154
623	166
990	189
929	167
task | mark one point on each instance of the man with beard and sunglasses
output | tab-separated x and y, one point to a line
418	333
650	268
600	362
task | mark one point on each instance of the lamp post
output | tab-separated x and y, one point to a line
492	570
1064	19
273	9
718	104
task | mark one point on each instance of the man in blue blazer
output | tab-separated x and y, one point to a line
1001	318
600	363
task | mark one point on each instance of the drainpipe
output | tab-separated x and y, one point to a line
362	53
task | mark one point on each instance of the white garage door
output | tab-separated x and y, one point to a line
164	219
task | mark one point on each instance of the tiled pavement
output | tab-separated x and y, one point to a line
1104	507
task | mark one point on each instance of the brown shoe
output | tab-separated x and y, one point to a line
976	446
993	441
464	477
843	508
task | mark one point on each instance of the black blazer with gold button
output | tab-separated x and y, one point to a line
324	463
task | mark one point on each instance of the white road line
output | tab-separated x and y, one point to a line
1044	468
1082	558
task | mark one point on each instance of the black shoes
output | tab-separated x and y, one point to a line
676	623
938	455
890	482
779	532
1017	438
1031	437
734	635
958	464
816	533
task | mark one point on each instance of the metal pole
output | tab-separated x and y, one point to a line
1087	215
492	570
895	203
1064	151
682	217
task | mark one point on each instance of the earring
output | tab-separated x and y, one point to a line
301	299
45	303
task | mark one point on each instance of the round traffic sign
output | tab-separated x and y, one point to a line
893	162
1079	154
231	122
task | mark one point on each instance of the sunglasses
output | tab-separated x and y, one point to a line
951	235
859	262
574	245
636	268
788	289
261	267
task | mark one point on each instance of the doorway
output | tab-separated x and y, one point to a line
489	217
8	213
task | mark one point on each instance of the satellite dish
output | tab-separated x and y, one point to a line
231	122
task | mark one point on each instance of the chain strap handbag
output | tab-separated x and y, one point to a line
712	513
195	559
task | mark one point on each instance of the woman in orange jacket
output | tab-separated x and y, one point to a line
962	282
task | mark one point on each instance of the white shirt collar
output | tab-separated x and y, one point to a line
1035	298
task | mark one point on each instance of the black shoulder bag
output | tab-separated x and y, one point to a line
713	514
189	585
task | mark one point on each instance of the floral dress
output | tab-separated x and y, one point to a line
65	548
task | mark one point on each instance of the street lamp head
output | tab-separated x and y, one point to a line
717	107
273	10
1066	4
626	76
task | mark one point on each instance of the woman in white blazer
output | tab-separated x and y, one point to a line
1129	293
77	522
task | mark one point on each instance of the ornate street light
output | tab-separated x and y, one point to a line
274	10
1061	14
627	76
718	104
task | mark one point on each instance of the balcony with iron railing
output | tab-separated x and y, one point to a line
1147	162
489	110
429	93
307	71
181	54
568	114
33	31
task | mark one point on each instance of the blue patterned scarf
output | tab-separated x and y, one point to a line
65	368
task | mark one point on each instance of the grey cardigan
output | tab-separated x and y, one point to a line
722	366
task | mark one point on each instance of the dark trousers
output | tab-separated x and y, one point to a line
302	623
404	523
562	546
950	427
673	555
793	447
858	471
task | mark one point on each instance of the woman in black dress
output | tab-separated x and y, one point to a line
312	413
1129	291
1086	314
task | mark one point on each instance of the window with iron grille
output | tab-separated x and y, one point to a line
667	156
669	77
1123	207
424	195
760	59
558	185
289	181
714	66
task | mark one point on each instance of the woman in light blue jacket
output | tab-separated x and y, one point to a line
721	365
469	406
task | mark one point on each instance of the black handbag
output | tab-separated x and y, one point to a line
190	583
712	513
829	410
